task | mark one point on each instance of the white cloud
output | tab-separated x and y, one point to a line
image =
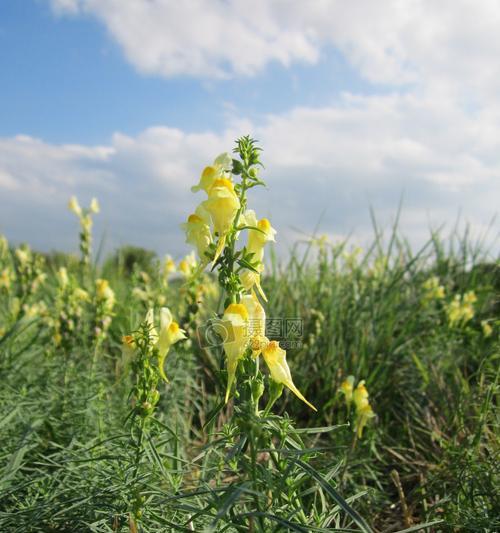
450	47
337	160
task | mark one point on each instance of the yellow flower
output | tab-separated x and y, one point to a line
220	168
62	276
433	289
363	414
275	358
35	309
364	410
94	206
128	349
461	310
222	205
487	329
346	388
75	206
188	264
23	255
360	395
105	293
470	298
257	238
233	331
5	278
198	231
81	294
168	265
170	333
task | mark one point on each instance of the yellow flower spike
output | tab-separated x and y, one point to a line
22	255
363	414
74	206
62	276
5	278
86	222
198	231
360	395
105	293
233	331
461	310
222	205
170	333
220	168
347	388
275	358
81	294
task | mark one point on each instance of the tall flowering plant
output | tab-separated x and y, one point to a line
215	229
230	239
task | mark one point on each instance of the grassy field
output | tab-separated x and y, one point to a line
93	438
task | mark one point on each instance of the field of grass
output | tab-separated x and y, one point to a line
94	439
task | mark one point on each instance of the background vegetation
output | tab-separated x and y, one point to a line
428	351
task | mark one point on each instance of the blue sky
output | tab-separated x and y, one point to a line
356	106
65	80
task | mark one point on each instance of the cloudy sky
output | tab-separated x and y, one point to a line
356	104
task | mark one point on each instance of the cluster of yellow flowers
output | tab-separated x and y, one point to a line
159	340
29	266
433	290
104	304
85	217
84	214
243	324
461	309
186	267
68	309
359	396
243	327
6	278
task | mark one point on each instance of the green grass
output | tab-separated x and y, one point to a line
431	456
